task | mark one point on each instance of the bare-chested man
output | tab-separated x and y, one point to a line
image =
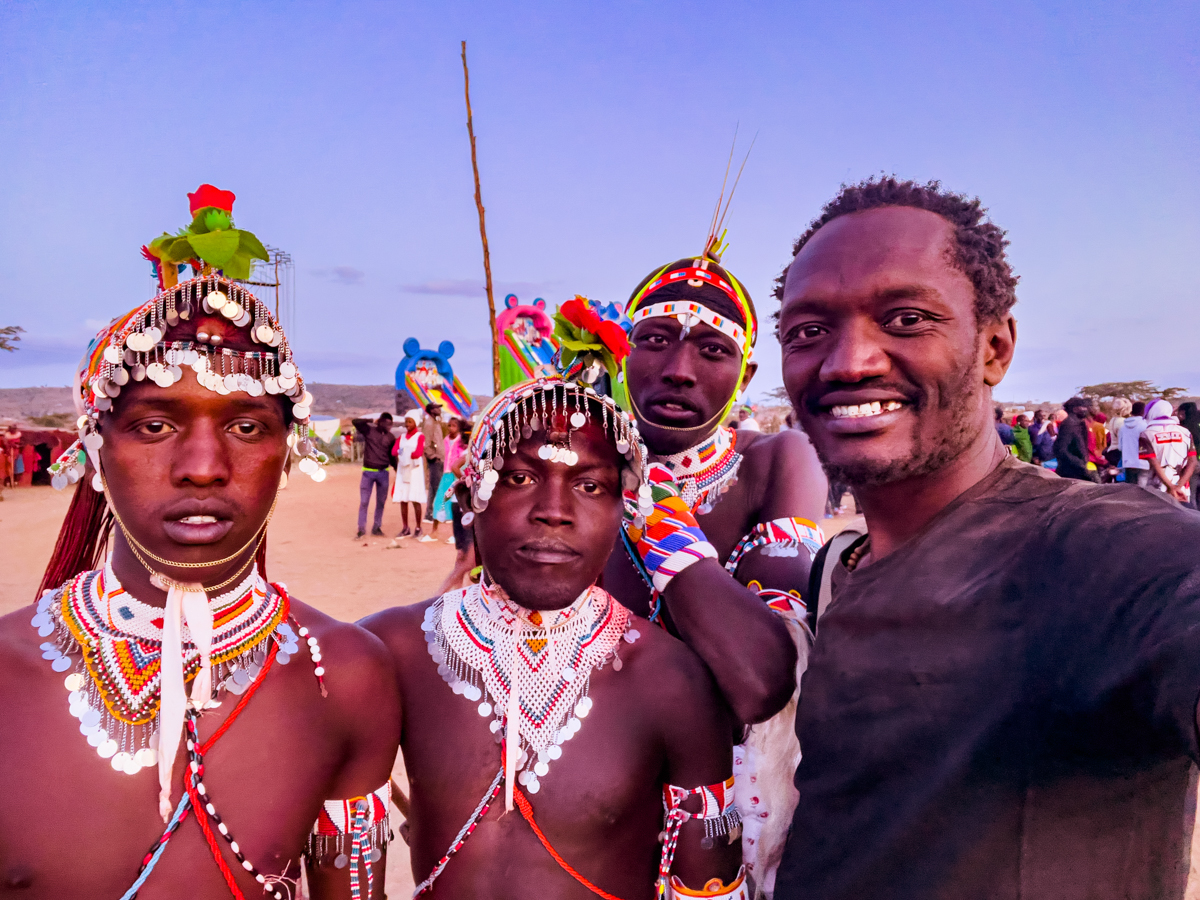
607	710
755	497
190	406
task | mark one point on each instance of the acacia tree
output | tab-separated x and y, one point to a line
10	336
1107	391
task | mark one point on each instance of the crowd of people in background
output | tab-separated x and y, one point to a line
1148	443
427	454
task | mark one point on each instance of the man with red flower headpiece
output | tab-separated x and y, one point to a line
174	724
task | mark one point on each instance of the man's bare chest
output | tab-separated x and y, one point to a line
71	825
608	771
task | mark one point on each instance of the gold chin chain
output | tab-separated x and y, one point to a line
164	581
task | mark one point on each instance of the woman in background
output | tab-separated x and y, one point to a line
409	454
452	450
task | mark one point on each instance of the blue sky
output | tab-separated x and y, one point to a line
603	131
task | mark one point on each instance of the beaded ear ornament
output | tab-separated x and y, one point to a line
555	408
132	348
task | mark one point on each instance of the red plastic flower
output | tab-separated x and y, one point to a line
207	195
614	338
579	314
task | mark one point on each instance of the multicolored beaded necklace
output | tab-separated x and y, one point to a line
115	690
478	636
480	639
706	471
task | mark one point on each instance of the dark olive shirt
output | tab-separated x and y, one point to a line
1004	707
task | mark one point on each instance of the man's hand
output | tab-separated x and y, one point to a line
668	540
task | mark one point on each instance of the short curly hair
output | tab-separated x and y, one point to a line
979	245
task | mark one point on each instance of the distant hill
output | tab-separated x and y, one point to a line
331	400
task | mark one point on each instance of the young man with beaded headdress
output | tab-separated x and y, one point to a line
557	744
118	777
725	561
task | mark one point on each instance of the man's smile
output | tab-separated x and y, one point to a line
851	412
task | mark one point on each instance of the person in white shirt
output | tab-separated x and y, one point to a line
1167	448
1136	469
746	420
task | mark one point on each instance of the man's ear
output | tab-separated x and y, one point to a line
751	369
999	341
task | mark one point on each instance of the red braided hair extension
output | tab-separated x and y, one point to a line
80	545
527	811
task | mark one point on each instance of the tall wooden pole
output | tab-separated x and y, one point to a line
487	259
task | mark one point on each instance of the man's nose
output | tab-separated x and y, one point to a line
855	354
679	369
555	501
202	456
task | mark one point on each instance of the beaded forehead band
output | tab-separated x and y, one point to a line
691	313
131	348
557	408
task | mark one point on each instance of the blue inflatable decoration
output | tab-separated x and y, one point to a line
429	378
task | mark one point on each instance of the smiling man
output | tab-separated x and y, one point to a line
538	694
1001	701
190	407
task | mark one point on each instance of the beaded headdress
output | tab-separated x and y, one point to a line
133	348
555	407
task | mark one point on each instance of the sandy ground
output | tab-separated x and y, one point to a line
310	548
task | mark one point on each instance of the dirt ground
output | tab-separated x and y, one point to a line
311	549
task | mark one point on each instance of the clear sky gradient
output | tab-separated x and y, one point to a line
603	130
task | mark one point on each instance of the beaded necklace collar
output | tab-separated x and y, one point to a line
706	471
115	690
481	640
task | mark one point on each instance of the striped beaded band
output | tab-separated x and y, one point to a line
732	289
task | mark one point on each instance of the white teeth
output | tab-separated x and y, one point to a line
199	520
872	408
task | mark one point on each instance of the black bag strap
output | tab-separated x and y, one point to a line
820	577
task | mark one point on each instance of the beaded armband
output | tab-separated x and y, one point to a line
779	537
355	832
717	811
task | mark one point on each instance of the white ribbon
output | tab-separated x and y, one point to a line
185	602
512	734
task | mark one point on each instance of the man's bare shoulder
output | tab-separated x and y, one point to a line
355	662
20	646
679	676
399	624
787	450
